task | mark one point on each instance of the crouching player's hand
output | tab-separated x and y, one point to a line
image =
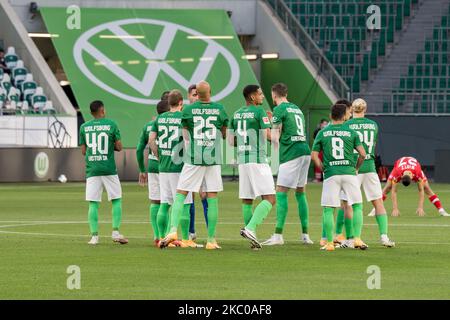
420	212
395	213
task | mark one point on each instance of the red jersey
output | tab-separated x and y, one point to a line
407	164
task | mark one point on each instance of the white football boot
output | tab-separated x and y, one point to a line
274	240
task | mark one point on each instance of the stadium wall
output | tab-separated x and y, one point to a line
417	136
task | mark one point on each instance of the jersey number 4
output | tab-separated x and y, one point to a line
98	142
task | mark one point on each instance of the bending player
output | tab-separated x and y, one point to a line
367	175
152	174
167	130
407	170
250	130
99	138
193	97
205	123
337	141
295	158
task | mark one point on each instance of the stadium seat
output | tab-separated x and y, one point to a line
38	100
28	87
1	74
19	73
6	83
48	108
25	108
2	98
11	58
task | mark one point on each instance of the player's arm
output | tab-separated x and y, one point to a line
361	158
152	144
232	139
395	211
118	145
83	149
315	158
224	132
140	160
420	187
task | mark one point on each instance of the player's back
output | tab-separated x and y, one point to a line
338	142
293	142
367	130
204	121
169	132
99	136
247	123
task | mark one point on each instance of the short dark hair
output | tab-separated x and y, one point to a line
192	87
96	105
280	89
165	95
174	98
344	101
249	90
162	106
406	180
338	111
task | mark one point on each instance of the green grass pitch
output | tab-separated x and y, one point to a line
43	230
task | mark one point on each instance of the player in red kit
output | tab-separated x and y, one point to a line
406	170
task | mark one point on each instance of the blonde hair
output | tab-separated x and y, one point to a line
359	105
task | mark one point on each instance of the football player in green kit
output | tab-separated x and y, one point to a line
338	142
151	175
250	131
99	138
295	158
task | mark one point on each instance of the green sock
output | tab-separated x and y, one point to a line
382	221
185	220
282	209
177	211
247	212
348	228
154	208
116	213
357	219
340	221
162	219
328	220
93	217
213	213
303	210
169	220
261	212
324	234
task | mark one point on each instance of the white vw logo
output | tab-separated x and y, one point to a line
145	86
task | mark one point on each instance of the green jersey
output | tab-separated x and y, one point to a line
247	124
170	141
99	137
337	141
368	134
153	163
293	143
204	121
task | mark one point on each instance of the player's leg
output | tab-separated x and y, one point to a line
190	179
329	201
288	177
260	183
155	205
204	198
353	192
114	190
302	201
213	185
372	188
246	193
434	199
94	189
347	241
340	221
192	234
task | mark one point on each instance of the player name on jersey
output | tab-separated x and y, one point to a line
363	126
336	134
205	111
